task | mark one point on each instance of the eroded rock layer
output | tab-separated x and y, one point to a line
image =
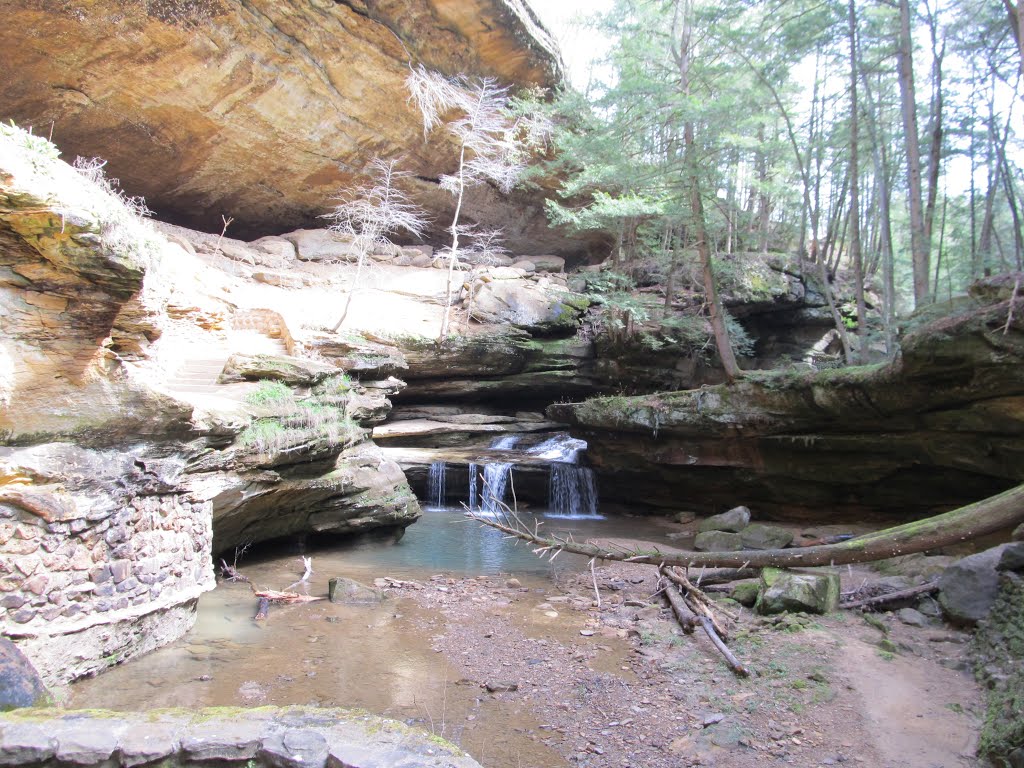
942	425
263	110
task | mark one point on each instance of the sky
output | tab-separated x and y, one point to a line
579	46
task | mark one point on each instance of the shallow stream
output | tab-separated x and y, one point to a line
376	657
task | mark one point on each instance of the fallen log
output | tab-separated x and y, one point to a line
278	596
892	597
734	663
687	619
990	515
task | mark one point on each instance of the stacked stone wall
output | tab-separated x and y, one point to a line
65	572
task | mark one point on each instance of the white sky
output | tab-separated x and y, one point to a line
579	46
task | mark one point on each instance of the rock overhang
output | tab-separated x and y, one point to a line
263	111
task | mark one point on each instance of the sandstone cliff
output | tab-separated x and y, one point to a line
123	464
263	110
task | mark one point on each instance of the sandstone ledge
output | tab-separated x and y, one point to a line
268	736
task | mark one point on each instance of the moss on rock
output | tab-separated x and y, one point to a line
998	649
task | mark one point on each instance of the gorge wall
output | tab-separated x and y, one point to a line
940	426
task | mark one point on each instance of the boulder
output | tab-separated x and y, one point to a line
968	588
280	279
351	592
423	261
1018	533
803	591
321	245
735	520
525	266
684	517
522	304
20	684
761	536
1012	558
912	617
275	246
412	251
548	263
718	541
290	370
745	593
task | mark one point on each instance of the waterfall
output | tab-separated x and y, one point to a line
572	490
474	471
435	484
496	477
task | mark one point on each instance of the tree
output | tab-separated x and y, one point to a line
370	213
493	142
919	245
682	46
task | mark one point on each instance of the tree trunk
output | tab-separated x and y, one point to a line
1015	15
919	246
991	515
683	53
855	249
453	255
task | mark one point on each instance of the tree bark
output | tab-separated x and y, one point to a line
919	246
855	249
991	515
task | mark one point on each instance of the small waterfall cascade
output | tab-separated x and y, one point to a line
572	489
485	494
435	484
474	487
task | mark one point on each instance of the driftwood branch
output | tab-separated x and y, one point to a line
988	516
892	597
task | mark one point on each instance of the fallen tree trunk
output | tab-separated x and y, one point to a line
687	619
984	517
892	597
690	614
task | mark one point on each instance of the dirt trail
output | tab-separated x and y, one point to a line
914	708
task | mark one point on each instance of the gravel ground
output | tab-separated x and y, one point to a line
620	685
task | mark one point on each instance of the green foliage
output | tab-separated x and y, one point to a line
270	392
320	417
333	386
998	648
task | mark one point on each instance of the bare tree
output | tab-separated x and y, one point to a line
370	213
493	142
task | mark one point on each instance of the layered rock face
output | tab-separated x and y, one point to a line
124	465
941	426
264	110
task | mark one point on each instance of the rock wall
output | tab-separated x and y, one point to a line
124	465
268	737
264	110
942	425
